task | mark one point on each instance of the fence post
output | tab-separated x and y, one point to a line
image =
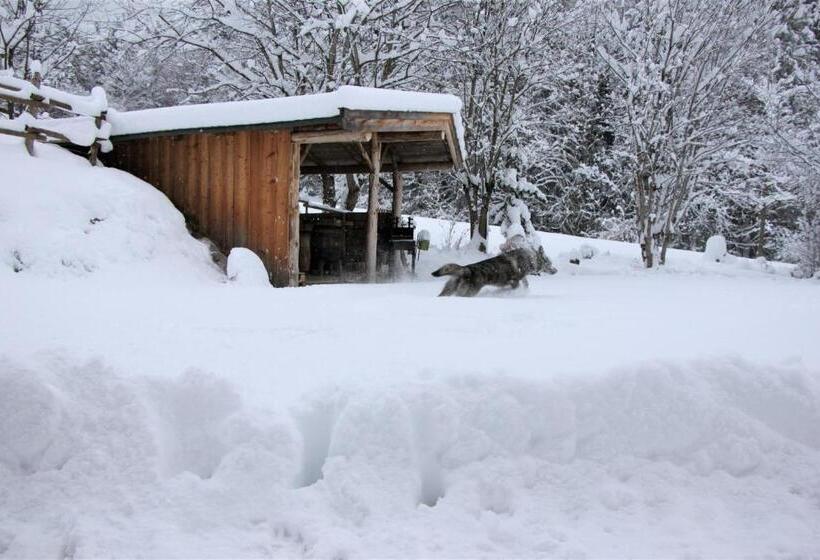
94	152
33	110
36	81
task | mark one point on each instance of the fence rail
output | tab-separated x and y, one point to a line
87	127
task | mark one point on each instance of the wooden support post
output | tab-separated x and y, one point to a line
398	193
373	208
293	216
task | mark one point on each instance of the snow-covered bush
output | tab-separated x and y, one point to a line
246	268
516	226
519	233
715	250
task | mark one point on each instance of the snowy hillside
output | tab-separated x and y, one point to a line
61	217
148	408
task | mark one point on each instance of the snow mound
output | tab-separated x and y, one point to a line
246	268
701	453
715	250
60	216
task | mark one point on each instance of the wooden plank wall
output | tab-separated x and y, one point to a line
240	189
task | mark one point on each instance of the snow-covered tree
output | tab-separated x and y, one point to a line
790	94
46	31
516	225
491	54
270	48
676	62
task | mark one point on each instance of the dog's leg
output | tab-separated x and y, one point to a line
468	289
450	287
526	283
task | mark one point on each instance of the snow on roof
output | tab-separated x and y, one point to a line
283	109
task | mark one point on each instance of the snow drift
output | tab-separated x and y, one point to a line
59	216
658	460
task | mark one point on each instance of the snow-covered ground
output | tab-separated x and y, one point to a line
150	408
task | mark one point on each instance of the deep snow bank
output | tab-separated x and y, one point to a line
60	216
657	460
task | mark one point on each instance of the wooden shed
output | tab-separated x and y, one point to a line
233	168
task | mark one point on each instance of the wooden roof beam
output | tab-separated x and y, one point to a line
330	136
416	136
451	147
361	168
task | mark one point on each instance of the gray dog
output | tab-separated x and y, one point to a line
507	270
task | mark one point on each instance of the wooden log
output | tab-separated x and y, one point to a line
373	208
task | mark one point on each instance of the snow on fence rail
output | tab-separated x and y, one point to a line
88	128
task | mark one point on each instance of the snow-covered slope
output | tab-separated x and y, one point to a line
147	410
61	217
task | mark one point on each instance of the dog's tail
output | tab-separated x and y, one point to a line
452	269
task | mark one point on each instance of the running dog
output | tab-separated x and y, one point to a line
507	270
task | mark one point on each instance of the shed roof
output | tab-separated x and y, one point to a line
410	120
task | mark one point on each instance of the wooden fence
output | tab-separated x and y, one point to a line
87	128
